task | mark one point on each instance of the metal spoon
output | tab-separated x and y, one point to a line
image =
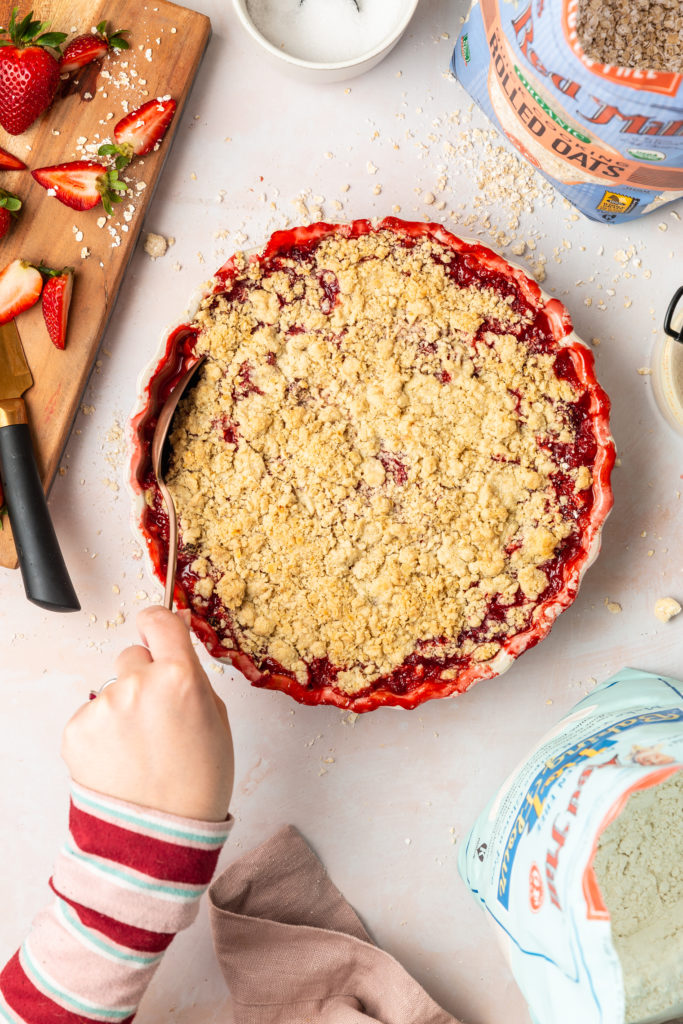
161	431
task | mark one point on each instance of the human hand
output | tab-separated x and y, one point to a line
159	736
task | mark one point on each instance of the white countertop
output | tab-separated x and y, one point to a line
387	812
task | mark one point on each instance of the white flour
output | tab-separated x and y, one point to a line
326	30
639	868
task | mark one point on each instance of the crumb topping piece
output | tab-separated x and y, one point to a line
365	466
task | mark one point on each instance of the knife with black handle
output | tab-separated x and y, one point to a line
45	575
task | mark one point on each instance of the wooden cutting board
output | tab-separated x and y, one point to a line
167	43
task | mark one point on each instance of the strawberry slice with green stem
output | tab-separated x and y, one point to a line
83	184
10	162
86	48
29	71
20	287
9	208
56	301
143	128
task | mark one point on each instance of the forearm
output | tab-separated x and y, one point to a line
125	882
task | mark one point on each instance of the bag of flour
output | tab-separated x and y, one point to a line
578	860
610	138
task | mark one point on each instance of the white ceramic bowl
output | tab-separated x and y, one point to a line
322	71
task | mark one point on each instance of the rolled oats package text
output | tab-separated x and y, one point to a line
548	74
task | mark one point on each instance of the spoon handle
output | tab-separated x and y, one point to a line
172	545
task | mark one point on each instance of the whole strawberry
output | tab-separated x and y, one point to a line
29	71
9	207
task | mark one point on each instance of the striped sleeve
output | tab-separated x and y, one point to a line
127	879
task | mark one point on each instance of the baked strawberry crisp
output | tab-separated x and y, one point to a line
392	469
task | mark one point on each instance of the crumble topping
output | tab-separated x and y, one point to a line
365	467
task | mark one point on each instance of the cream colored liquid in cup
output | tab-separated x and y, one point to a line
667	379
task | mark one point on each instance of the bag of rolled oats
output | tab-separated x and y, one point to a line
589	91
578	859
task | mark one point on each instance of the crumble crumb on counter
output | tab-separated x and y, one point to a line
666	608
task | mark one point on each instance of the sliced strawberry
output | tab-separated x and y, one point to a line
145	127
10	162
82	184
56	302
81	51
9	208
29	71
91	46
20	288
75	184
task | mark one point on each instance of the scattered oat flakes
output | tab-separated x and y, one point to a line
612	606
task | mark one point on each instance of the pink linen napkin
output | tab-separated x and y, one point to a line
293	951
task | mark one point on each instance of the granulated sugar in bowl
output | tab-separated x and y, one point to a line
326	40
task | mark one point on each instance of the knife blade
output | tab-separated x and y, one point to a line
46	578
